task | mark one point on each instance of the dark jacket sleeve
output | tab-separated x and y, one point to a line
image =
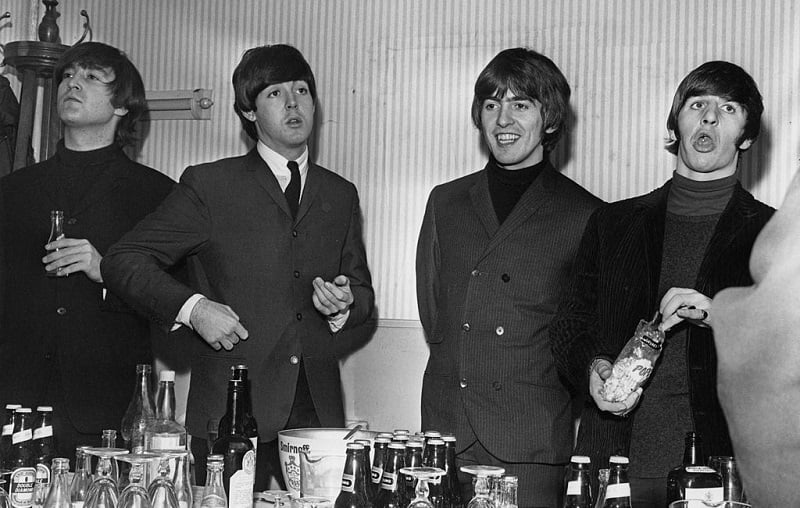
354	266
427	270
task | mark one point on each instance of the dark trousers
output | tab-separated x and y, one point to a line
649	491
268	464
540	485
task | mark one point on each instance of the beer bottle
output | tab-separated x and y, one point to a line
239	457
453	497
8	430
214	492
391	493
413	459
354	489
578	483
692	479
239	373
376	472
43	448
56	233
23	461
58	497
435	455
618	492
82	479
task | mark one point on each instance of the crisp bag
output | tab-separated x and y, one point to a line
635	362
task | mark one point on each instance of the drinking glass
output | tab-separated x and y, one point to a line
162	490
482	474
310	502
277	498
696	503
731	481
4	502
103	490
135	495
422	475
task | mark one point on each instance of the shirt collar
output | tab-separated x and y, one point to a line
277	162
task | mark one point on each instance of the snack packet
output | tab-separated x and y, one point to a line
635	362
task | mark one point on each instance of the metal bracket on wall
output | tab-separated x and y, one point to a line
179	104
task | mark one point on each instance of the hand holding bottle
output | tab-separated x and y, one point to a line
72	255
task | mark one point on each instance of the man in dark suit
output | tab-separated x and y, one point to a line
283	276
65	341
494	250
670	251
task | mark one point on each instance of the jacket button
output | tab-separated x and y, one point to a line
299	316
475	272
294	360
72	220
505	277
465	327
497	385
61	311
500	330
296	274
463	382
294	233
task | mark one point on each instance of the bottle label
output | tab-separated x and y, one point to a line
21	436
616	490
709	495
254	441
699	469
241	483
21	486
388	481
349	482
8	429
76	504
166	442
376	474
43	432
574	487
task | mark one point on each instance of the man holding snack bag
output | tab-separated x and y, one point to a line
669	251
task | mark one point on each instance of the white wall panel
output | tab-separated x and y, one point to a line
395	81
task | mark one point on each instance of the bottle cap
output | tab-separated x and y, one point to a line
355	446
414	444
364	442
13	406
400	431
215	458
44	408
617	459
167	375
23	410
580	459
436	442
394	445
449	438
382	439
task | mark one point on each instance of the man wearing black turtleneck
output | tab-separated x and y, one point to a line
495	249
64	340
670	250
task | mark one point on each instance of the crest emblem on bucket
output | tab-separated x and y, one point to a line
293	472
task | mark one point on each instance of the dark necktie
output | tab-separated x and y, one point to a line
292	191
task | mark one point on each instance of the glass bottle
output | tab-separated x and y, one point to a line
214	492
109	440
390	494
354	490
141	411
453	497
56	233
58	497
380	452
435	455
413	459
508	492
164	433
618	491
82	478
578	483
239	373
602	477
8	431
23	461
692	479
44	449
237	451
183	482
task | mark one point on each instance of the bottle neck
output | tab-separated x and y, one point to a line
692	454
236	409
143	392
166	401
618	474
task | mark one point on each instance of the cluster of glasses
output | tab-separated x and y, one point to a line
492	489
117	486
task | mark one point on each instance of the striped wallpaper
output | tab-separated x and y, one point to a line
395	80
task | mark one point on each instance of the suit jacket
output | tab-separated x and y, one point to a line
232	221
66	326
615	284
486	294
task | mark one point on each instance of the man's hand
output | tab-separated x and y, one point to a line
681	304
601	370
331	298
71	255
217	324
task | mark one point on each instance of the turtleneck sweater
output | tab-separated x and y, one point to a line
506	186
77	170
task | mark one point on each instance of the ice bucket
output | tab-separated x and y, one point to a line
324	451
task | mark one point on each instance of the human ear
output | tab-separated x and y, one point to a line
744	145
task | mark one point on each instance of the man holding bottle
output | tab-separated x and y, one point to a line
65	341
277	264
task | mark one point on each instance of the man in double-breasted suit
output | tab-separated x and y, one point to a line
276	259
64	340
494	250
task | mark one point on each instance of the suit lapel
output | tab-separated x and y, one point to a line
310	190
482	202
256	166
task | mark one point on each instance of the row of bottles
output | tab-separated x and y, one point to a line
692	480
26	452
